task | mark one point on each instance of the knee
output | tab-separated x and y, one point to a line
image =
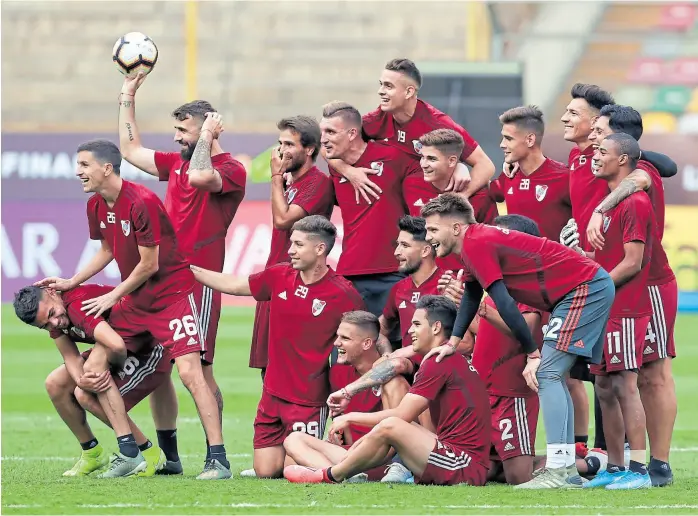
268	470
624	384
548	375
190	372
294	442
56	386
387	427
83	397
654	376
603	388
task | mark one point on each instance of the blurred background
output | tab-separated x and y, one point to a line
259	61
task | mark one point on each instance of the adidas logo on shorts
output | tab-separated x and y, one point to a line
509	447
192	341
615	360
648	350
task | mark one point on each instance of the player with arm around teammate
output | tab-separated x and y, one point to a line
356	341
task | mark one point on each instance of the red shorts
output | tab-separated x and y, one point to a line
659	342
622	350
260	336
514	422
448	466
277	418
176	327
141	374
208	311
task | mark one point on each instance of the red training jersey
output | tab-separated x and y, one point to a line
543	196
586	191
499	359
200	218
83	326
303	323
631	221
380	125
370	230
536	271
458	404
366	401
138	219
312	192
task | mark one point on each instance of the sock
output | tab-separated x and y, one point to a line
637	467
217	452
329	475
167	440
556	456
146	446
593	465
599	437
581	439
89	444
208	450
570	455
127	445
659	465
612	468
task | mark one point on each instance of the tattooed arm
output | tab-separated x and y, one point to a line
379	375
129	138
383	344
202	175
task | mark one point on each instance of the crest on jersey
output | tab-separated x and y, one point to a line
318	306
291	194
606	223
417	146
126	227
77	331
377	165
377	391
541	190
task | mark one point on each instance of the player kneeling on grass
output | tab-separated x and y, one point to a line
356	342
454	395
84	381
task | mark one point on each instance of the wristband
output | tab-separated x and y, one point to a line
346	394
598	210
454	347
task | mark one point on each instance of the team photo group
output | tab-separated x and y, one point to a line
427	356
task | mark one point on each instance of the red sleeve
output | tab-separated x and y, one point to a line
92	221
497	188
413	190
371	123
146	222
165	162
447	122
354	299
315	195
481	262
262	283
635	219
233	175
390	310
525	309
430	379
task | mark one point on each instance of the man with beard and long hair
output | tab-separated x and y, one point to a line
205	187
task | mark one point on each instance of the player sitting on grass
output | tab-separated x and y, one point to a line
457	400
356	341
139	367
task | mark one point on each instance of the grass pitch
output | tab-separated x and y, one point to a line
37	448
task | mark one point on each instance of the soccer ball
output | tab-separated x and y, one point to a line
135	52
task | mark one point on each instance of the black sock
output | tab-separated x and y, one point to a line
208	450
89	444
329	475
146	446
581	439
127	445
612	468
599	437
217	452
593	465
167	440
637	467
659	466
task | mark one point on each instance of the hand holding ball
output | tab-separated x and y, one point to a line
135	52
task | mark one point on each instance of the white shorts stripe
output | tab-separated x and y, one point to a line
449	463
522	420
206	302
628	326
658	321
148	369
195	314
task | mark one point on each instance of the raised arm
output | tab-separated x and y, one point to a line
222	282
202	175
129	138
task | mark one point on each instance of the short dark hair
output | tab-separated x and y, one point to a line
593	94
318	226
449	204
405	67
194	109
623	119
104	152
448	141
529	118
364	320
346	111
439	308
26	303
626	145
415	226
305	126
518	223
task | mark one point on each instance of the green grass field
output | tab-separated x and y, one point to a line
37	448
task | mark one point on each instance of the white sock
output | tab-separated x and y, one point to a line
570	455
556	455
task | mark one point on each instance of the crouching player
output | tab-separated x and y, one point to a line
143	366
356	342
457	400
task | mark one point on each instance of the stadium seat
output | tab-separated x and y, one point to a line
672	99
693	104
639	97
664	46
659	123
689	45
681	71
647	71
677	17
688	124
